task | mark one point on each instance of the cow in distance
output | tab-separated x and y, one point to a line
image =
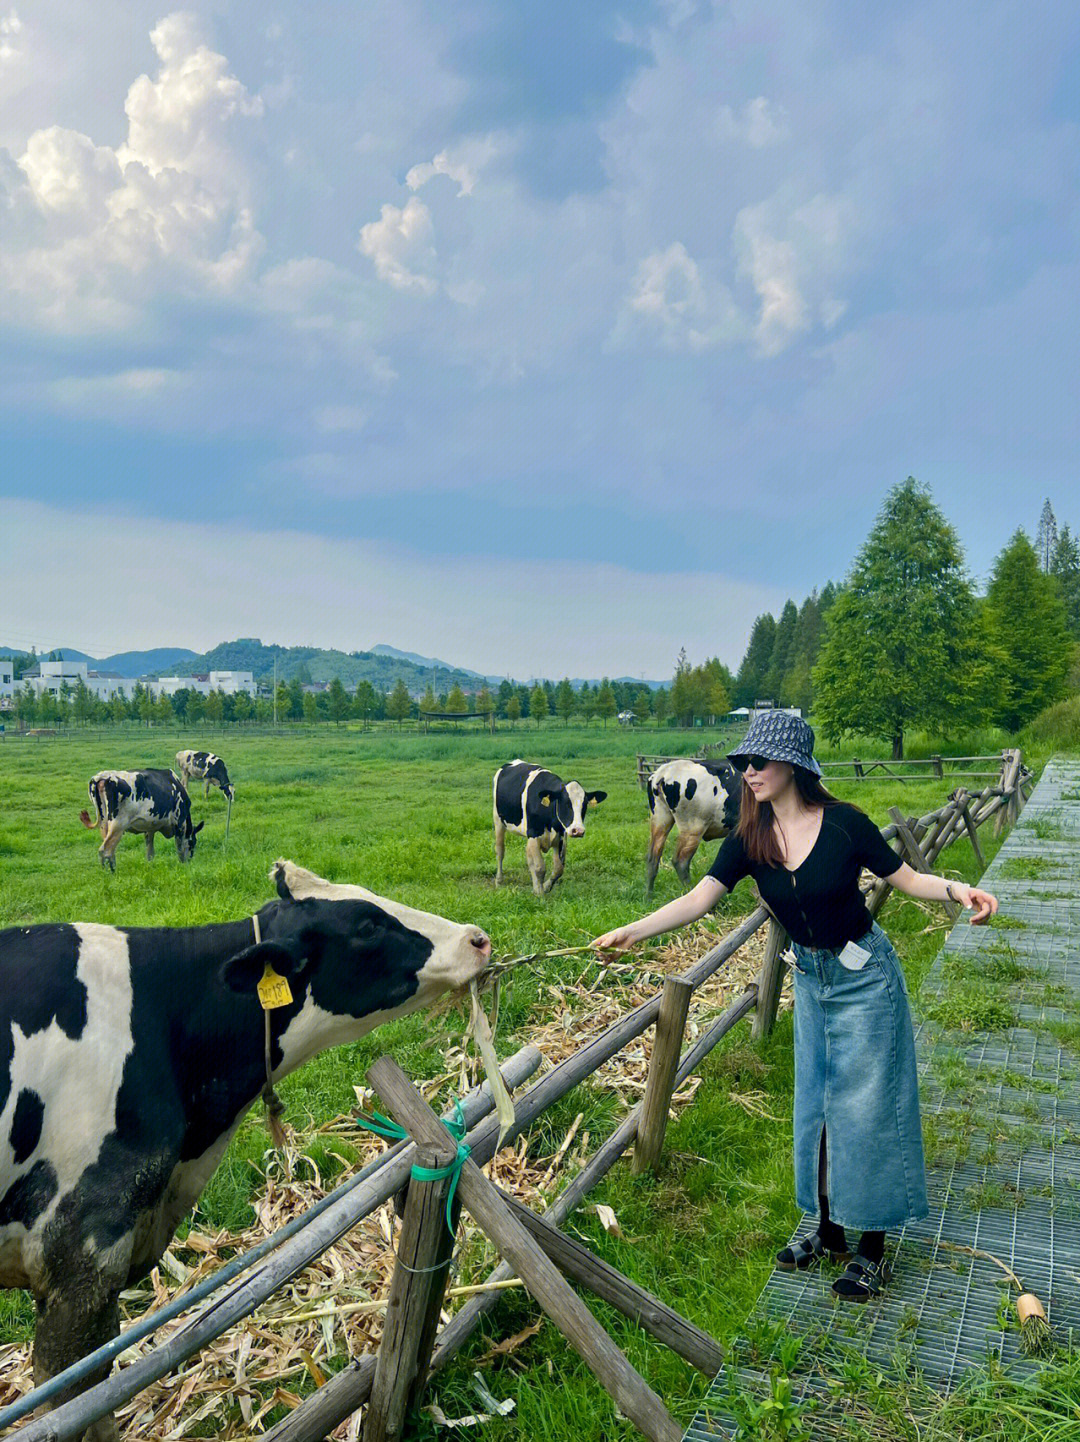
206	767
544	809
146	802
701	798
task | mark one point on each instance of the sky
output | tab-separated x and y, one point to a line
547	338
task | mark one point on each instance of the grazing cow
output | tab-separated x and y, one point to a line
205	766
145	802
129	1055
701	798
539	806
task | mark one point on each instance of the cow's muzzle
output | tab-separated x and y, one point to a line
577	831
482	943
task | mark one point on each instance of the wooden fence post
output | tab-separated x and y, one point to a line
915	856
629	1390
938	768
963	801
770	980
664	1062
417	1284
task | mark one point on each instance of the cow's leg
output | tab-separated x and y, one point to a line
659	830
206	788
534	855
558	862
149	846
69	1326
107	849
688	843
500	847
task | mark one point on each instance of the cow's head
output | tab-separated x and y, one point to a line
573	802
364	953
185	837
216	772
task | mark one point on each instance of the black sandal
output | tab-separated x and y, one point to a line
804	1254
862	1279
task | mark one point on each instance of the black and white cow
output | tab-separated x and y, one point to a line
701	798
146	802
545	810
129	1055
205	766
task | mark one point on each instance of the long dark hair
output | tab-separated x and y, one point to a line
755	828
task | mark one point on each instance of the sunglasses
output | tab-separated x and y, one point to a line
759	763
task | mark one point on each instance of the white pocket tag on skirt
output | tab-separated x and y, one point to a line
854	957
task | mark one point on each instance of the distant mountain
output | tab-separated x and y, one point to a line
383	665
427	662
142	663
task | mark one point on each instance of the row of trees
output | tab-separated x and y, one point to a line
909	644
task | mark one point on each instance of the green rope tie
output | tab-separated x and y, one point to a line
456	1126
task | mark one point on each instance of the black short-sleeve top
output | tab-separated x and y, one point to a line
819	903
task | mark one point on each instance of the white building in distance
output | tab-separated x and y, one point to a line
52	676
229	682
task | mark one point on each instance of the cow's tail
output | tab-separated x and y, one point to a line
95	797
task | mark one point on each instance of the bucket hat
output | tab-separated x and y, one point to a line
779	736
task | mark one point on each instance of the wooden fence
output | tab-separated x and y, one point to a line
392	1379
855	769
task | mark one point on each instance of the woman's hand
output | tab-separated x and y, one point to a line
621	939
982	903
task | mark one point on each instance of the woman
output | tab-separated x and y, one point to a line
858	1139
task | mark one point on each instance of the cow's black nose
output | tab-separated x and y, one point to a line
481	941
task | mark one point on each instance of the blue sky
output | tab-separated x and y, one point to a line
544	337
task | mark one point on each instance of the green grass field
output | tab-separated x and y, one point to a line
410	817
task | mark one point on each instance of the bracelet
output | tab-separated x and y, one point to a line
949	893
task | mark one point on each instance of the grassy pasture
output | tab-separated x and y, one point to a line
410	816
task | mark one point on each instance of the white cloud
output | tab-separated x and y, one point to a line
671	298
462	165
97	235
340	418
294	588
10	32
760	123
400	241
795	256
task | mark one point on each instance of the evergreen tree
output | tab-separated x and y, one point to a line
365	701
903	645
565	701
399	703
296	699
84	702
682	690
337	701
1046	537
506	690
1026	615
809	631
606	704
243	707
427	700
284	701
660	706
753	671
1065	566
455	700
642	703
311	706
538	703
485	704
783	654
214	707
513	709
586	702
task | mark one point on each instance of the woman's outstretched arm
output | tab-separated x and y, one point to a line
927	887
679	912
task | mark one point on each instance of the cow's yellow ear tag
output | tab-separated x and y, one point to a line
274	990
545	801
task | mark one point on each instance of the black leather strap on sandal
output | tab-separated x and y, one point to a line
802	1255
861	1279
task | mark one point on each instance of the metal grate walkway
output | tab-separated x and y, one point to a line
1001	1122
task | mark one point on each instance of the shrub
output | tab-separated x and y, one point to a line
1057	725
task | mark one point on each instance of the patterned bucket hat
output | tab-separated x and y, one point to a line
779	736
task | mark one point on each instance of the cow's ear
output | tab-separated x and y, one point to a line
196	829
244	971
280	883
594	798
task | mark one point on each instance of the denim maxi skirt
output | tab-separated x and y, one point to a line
855	1078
